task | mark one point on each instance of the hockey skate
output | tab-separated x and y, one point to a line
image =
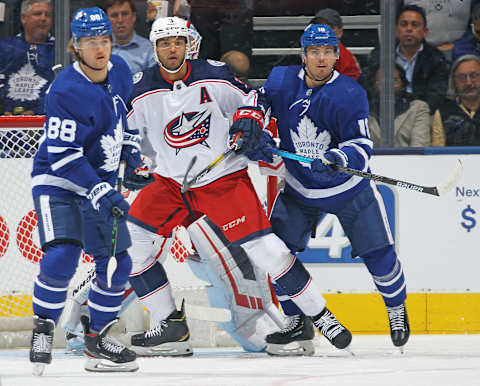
168	338
41	344
106	354
332	329
399	325
294	340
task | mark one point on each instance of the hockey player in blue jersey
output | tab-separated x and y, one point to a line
322	113
73	176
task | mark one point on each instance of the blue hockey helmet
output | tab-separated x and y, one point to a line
90	22
319	35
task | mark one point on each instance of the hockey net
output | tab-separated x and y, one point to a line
20	253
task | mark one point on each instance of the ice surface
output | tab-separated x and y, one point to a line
437	360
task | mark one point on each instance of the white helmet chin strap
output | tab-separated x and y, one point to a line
177	69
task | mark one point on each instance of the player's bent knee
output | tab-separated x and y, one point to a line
60	261
142	251
120	276
269	253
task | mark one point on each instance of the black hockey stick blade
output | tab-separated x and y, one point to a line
438	190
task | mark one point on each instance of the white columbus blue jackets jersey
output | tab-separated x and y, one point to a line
189	117
311	121
25	73
83	133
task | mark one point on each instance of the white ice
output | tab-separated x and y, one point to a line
437	360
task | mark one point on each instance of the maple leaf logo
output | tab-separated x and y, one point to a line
25	85
112	148
307	142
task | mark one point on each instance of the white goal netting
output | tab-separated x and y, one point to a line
20	252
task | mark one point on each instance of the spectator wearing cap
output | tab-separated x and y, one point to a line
470	42
346	64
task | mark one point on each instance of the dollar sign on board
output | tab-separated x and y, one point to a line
469	222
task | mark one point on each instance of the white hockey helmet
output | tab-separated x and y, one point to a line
195	41
165	27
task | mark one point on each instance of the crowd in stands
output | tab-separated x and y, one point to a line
437	55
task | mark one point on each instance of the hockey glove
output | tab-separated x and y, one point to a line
322	172
131	153
141	176
248	123
108	201
265	151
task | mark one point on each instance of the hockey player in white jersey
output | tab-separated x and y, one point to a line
321	113
183	109
73	175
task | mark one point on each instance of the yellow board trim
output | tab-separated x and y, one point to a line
430	313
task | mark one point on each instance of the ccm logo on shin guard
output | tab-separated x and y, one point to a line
233	223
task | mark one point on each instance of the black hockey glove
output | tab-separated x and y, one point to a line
104	199
265	151
131	153
137	181
322	172
248	123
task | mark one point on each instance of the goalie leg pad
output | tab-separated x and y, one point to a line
236	285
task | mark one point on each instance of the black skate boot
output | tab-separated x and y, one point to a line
295	339
106	354
399	325
41	344
168	338
332	329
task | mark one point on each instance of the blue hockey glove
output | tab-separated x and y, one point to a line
264	152
131	153
322	172
108	201
248	123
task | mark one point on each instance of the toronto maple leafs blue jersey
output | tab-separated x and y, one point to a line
83	133
188	117
25	73
313	120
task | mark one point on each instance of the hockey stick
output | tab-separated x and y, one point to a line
438	190
112	261
237	143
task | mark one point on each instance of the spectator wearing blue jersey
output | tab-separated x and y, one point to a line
470	42
73	178
134	49
324	114
26	61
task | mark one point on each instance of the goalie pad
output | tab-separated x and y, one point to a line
236	284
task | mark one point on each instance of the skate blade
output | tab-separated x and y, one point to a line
401	349
169	349
298	348
105	366
38	369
